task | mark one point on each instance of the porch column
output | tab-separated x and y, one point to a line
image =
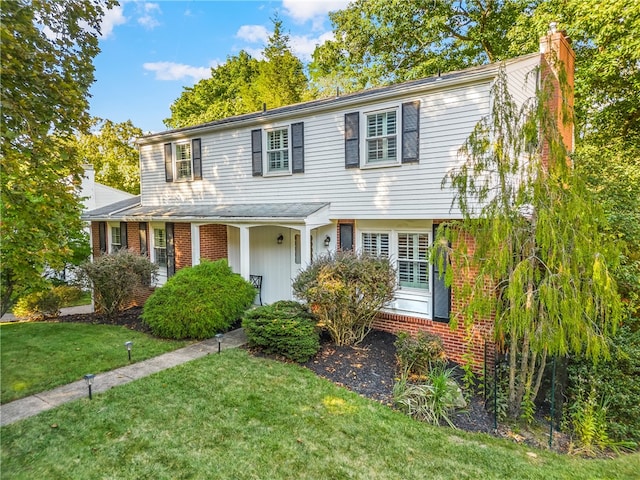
305	246
245	255
195	244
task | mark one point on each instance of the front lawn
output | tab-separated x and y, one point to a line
35	357
233	416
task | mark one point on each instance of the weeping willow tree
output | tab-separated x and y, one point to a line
540	265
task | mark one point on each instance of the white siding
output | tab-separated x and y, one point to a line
410	191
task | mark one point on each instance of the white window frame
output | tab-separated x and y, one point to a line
414	261
178	161
112	237
155	248
286	151
379	246
381	137
394	254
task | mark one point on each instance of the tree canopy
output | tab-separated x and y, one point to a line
46	55
243	84
110	148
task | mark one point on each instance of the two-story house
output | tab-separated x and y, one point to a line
270	191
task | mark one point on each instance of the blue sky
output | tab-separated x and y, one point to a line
152	50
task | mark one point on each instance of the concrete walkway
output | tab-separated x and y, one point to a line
80	309
29	406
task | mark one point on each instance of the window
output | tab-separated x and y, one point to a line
381	138
160	247
376	244
183	161
116	239
413	267
278	150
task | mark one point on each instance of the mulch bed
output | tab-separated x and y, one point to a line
368	369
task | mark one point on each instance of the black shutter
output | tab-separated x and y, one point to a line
196	158
297	144
123	235
142	232
441	293
410	132
102	236
352	140
168	163
256	152
171	250
346	237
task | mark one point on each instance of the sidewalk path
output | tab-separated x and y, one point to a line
29	406
80	309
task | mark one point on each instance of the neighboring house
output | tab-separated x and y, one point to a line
95	195
271	191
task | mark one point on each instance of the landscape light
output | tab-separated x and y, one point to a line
128	344
88	378
219	338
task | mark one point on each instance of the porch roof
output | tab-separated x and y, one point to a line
130	211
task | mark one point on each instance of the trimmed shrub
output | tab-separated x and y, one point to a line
418	354
114	279
346	291
45	304
284	328
198	302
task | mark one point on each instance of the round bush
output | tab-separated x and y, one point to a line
418	354
198	302
284	328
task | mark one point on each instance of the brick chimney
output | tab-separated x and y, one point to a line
557	68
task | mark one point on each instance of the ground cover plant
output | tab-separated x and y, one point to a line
35	357
283	328
257	418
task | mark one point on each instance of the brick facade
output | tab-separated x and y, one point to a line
182	244
213	242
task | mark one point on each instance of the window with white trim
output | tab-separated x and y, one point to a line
376	244
160	247
278	151
413	266
381	137
183	161
116	239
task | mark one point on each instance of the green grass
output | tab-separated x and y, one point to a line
84	299
38	356
232	416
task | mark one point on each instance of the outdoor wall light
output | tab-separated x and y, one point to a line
219	338
280	239
327	241
128	345
88	378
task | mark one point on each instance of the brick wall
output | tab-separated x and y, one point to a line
213	242
182	244
95	239
456	342
133	237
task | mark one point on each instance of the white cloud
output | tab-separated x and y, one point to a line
314	10
303	46
178	71
111	19
253	33
148	18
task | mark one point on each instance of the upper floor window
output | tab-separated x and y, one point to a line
381	137
183	160
116	239
278	151
386	137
